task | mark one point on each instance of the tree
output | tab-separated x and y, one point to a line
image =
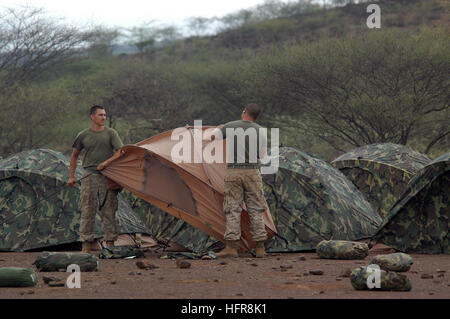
199	25
381	87
142	36
31	43
148	35
270	9
32	116
149	97
345	2
103	41
167	34
238	19
222	87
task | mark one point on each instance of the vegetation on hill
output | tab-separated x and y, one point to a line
326	80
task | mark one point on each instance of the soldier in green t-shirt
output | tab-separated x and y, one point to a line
99	145
243	182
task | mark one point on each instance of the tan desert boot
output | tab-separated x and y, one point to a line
260	250
230	249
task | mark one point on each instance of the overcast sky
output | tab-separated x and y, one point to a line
128	13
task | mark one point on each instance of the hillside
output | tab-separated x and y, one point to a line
323	78
406	15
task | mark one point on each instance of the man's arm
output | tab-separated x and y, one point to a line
116	155
73	167
262	152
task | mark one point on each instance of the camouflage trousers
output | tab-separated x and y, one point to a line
244	185
95	196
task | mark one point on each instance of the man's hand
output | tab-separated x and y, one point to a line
116	155
102	165
71	182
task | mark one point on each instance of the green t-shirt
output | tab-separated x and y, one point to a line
247	139
97	146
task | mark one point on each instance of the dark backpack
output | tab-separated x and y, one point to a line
56	261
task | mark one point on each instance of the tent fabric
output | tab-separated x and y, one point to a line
169	230
381	171
144	241
420	220
193	239
311	201
38	210
191	190
158	222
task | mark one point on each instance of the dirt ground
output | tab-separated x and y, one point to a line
278	276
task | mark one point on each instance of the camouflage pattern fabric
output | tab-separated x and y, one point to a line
47	162
18	277
194	239
341	249
166	228
51	262
311	201
396	155
95	195
38	210
244	185
381	184
419	222
157	221
390	281
119	252
381	172
393	262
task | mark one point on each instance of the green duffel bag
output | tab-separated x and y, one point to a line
49	261
393	262
17	277
118	252
388	280
342	249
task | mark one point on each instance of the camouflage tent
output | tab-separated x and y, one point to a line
38	210
167	229
420	220
381	171
311	201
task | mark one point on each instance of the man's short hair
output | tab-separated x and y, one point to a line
253	110
94	109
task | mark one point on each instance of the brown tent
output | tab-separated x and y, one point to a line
191	190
